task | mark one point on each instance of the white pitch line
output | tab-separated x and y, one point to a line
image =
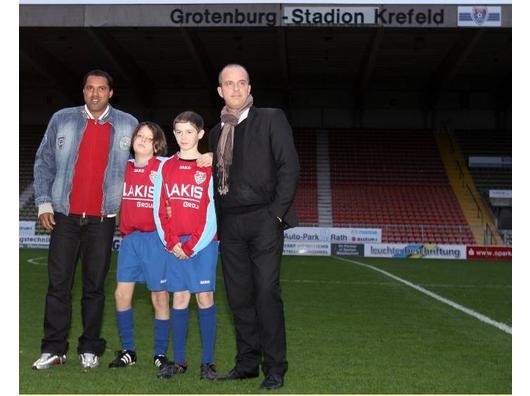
36	260
477	315
390	283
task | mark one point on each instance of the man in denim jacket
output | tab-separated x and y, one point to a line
79	170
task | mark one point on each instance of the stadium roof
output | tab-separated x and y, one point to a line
352	65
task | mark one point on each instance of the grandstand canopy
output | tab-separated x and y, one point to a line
328	66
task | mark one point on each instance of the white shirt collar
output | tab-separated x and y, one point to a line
91	117
243	116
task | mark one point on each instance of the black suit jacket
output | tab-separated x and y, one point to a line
271	167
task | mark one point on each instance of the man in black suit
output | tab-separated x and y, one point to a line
256	171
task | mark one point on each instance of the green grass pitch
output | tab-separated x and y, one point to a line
350	329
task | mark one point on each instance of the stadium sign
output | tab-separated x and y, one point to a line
42	241
265	15
500	194
476	161
489	253
34	241
333	234
26	228
415	250
347	249
306	249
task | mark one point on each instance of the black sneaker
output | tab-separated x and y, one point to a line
208	371
123	358
171	369
166	368
160	361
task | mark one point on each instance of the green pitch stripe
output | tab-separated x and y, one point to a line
477	315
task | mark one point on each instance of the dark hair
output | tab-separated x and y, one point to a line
229	66
159	137
99	73
191	117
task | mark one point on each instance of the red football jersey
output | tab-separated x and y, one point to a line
137	198
188	189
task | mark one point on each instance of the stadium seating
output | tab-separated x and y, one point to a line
29	140
394	180
306	195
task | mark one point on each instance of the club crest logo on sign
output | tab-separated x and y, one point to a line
479	14
200	177
152	176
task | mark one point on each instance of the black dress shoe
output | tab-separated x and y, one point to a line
235	375
272	381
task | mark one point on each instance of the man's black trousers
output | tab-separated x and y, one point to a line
251	251
76	237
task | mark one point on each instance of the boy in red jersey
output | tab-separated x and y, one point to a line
189	233
142	257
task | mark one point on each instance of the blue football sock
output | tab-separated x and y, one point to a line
208	326
125	320
179	326
161	333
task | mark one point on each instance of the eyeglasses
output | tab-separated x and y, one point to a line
146	138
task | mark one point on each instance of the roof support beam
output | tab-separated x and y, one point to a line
368	64
124	63
67	82
284	64
448	67
202	62
503	93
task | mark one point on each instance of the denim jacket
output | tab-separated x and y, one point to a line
57	154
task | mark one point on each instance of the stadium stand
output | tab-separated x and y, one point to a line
496	144
395	180
306	194
389	179
487	143
29	140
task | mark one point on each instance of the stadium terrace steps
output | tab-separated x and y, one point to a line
306	198
325	205
26	196
478	214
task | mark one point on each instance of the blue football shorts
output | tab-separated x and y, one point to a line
143	259
196	274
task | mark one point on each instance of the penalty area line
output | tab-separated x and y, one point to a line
477	315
